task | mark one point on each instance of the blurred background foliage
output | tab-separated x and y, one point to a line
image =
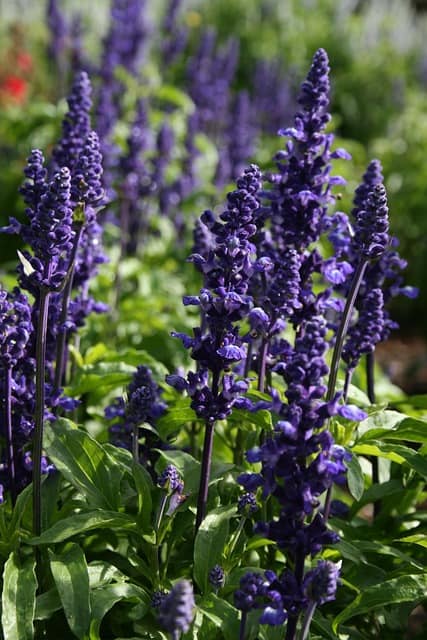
378	57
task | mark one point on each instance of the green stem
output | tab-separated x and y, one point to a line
236	536
39	407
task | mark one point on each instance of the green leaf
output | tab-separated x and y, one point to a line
105	598
85	464
47	604
172	95
356	484
378	491
396	453
144	487
179	415
19	598
222	614
392	425
403	589
188	467
210	542
82	523
261	418
22	502
102	573
95	353
105	375
418	538
69	570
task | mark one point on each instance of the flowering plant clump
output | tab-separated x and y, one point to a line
236	483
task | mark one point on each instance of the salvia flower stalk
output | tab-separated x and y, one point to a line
217	345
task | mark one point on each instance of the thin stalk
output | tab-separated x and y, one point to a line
160	513
262	365
248	361
342	330
242	625
10	453
291	627
236	536
370	377
205	470
336	356
135	443
307	621
347	381
61	347
39	408
370	388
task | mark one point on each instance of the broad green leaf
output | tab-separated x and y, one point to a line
188	467
105	598
174	96
85	464
377	492
69	570
95	353
417	401
102	573
222	614
22	502
418	538
144	487
82	523
410	588
180	414
395	452
47	604
19	597
108	375
392	425
356	484
210	542
261	418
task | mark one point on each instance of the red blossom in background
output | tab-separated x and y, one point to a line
13	89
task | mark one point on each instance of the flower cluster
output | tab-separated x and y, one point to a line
176	610
143	405
216	346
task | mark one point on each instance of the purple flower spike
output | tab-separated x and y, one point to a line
320	584
371	232
76	124
217	577
176	611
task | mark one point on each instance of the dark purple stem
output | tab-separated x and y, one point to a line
342	329
8	429
205	471
243	625
370	377
291	627
262	365
61	347
307	621
40	406
339	343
